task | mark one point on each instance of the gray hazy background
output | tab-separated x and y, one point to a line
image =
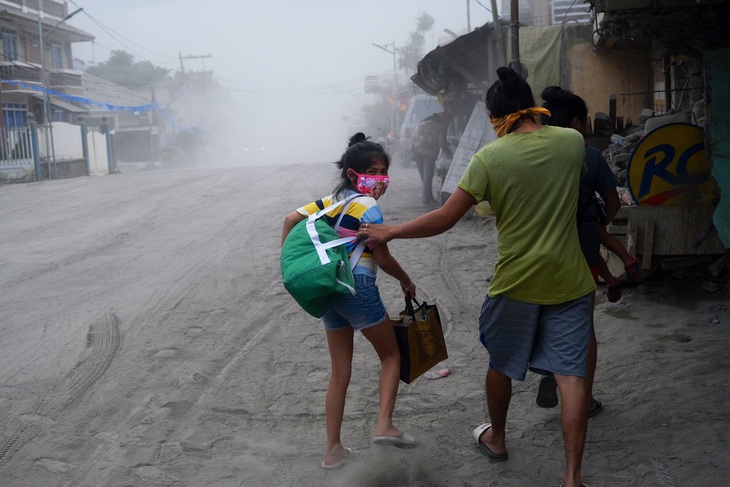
295	70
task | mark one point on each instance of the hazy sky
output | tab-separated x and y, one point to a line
295	68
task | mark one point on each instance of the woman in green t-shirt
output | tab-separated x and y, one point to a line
537	311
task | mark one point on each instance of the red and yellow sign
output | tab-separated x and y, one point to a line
668	167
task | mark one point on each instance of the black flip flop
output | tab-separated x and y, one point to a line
547	392
613	293
597	408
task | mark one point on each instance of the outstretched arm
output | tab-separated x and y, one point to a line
432	223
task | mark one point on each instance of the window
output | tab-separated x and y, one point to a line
56	55
10	45
16	114
55	8
59	115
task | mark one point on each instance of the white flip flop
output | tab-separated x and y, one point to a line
486	451
403	441
351	455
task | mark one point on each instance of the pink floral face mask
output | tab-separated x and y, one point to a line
371	184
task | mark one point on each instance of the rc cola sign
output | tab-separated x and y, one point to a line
668	167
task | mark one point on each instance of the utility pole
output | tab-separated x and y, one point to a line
515	38
182	66
498	34
395	81
202	56
182	71
468	17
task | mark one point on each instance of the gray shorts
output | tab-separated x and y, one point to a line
543	338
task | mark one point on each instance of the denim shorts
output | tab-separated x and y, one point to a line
363	310
543	338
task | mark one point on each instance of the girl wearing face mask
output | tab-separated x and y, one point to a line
363	170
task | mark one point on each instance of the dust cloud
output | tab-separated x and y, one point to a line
289	77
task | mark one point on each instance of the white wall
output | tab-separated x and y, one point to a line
98	160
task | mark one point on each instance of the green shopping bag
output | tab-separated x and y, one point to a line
314	262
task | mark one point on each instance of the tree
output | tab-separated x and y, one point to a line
412	51
121	69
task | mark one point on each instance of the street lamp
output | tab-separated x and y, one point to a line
48	123
384	47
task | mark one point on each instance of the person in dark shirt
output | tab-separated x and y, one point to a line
428	139
570	110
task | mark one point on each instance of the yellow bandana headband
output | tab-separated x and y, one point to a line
502	125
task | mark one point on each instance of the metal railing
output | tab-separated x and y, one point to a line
15	146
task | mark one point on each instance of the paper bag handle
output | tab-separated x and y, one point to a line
409	306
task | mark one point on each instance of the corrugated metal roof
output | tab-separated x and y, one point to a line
469	59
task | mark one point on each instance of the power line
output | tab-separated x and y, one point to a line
483	6
318	90
114	35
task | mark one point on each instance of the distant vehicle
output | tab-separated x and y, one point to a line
419	107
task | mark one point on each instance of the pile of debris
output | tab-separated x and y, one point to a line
619	152
618	155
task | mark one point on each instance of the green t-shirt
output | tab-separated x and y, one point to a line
531	181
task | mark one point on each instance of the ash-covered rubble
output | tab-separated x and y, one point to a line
619	151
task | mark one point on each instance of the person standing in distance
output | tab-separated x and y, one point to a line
428	139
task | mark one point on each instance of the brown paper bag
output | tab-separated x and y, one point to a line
420	339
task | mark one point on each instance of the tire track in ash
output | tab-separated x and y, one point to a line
151	316
103	341
98	467
96	470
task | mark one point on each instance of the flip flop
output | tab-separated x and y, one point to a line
597	408
403	441
477	433
351	455
547	392
613	293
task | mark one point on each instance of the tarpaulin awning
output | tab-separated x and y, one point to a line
472	58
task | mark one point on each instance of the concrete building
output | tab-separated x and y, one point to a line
24	61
